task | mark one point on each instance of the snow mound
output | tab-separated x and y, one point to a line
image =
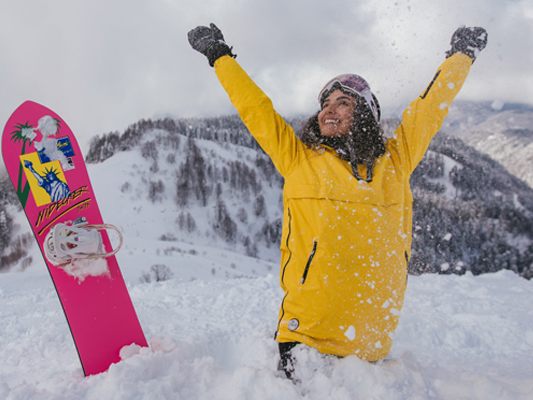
460	337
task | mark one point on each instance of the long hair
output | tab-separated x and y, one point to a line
363	144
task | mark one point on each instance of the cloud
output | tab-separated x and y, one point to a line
105	64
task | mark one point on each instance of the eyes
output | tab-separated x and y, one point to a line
344	102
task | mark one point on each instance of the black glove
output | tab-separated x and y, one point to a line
469	41
210	42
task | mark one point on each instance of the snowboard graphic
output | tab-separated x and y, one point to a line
47	169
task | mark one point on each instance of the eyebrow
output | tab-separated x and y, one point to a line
343	97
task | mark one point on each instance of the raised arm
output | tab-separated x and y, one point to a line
424	116
28	164
275	136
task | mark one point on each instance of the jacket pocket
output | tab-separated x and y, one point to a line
309	261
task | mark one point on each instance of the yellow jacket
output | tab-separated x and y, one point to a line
345	243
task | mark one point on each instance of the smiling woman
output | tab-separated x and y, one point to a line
347	122
336	117
347	202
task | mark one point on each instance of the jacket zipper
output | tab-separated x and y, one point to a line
423	96
407	266
309	261
283	273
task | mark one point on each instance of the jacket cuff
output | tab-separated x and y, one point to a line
217	50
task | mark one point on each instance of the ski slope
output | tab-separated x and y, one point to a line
210	328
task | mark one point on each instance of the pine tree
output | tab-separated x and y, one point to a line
223	224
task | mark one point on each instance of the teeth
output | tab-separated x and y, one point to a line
331	121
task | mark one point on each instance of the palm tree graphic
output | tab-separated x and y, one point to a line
24	133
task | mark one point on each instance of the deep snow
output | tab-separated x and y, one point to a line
460	337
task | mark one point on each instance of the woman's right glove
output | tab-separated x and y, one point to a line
469	41
210	42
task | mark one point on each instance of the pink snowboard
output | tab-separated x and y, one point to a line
47	169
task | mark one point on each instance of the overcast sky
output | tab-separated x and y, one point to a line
104	64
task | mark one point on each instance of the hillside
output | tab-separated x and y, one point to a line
205	181
503	131
470	213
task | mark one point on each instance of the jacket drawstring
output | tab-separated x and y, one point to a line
369	171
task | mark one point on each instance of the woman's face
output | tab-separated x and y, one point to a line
336	116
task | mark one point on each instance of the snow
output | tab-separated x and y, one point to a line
497	105
81	269
350	333
152	220
449	164
211	338
210	324
130	351
491	127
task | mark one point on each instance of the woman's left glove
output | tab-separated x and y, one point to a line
469	41
210	42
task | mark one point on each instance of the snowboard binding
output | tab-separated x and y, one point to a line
71	241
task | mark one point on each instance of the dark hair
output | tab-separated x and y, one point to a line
363	144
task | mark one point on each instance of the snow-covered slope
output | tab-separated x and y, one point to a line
503	131
508	138
199	192
460	337
205	182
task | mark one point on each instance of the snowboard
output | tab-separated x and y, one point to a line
48	171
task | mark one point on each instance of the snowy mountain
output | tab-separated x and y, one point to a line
503	131
470	213
206	182
210	185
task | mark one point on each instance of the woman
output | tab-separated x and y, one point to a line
347	211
